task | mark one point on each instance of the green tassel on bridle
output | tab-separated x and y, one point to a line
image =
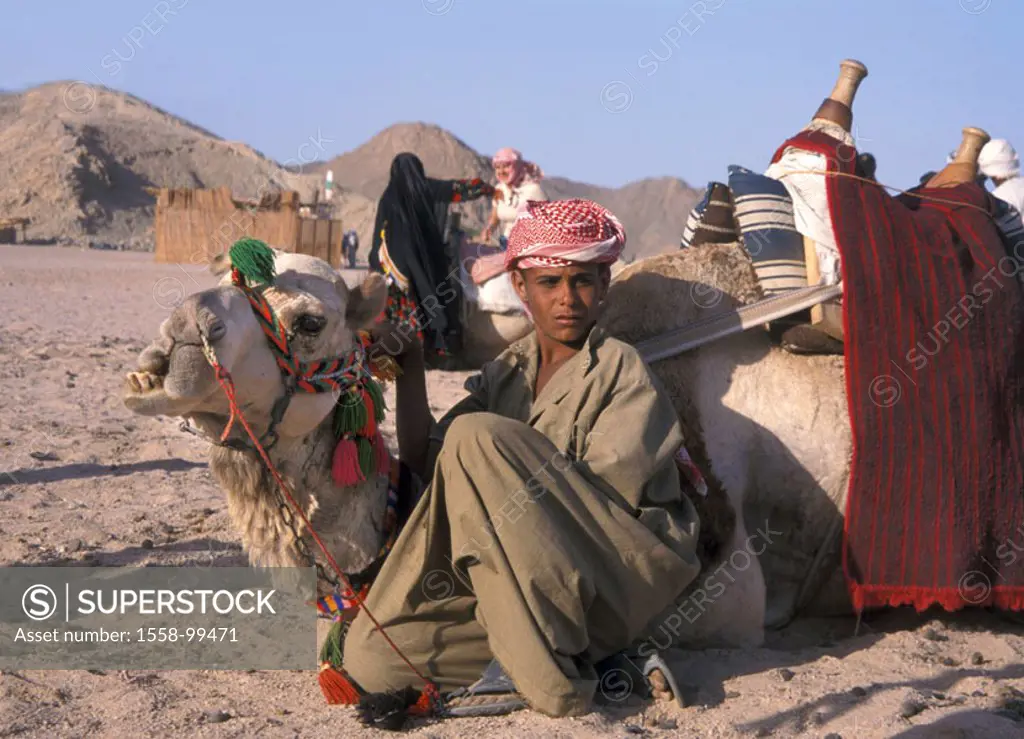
377	396
350	415
334	644
367	461
253	260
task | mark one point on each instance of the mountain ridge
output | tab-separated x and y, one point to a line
76	159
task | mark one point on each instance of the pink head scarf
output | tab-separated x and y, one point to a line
556	233
521	169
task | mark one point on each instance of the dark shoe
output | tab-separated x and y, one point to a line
620	677
388	711
494	694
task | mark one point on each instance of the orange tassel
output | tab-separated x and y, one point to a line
345	465
370	428
336	687
382	454
424	705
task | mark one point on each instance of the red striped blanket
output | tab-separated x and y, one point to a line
934	324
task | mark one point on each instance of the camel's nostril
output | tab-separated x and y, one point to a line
216	330
154	361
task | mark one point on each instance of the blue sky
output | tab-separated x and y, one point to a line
692	86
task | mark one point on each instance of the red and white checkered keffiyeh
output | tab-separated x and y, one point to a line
556	233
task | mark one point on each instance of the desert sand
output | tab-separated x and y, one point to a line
83	481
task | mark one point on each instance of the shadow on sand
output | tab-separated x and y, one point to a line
81	471
206	552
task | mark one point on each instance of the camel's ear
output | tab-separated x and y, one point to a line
220	264
366	302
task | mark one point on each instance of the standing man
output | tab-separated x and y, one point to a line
351	247
999	161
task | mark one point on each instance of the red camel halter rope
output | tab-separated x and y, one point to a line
360	453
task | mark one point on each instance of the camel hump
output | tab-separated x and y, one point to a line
838	106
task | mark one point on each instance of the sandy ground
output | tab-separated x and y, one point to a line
83	481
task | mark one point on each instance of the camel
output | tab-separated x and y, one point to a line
492	315
320	315
487	333
771	427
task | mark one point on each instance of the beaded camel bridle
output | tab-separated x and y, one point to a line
353	378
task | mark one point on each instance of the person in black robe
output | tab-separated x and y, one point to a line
409	246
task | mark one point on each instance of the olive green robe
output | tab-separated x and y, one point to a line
552	533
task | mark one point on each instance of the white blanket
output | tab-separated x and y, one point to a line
810	197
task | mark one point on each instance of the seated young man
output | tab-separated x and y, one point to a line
553	530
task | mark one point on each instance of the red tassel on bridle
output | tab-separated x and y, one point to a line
345	465
370	429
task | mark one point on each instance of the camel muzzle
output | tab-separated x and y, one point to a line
173	376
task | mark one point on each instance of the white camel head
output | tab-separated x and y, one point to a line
318	313
318	317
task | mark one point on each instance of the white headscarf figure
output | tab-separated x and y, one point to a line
999	160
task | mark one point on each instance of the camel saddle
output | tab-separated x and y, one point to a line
483	262
757	211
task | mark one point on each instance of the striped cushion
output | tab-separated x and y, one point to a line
764	211
712	220
694	219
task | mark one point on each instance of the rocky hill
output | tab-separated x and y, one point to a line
653	210
76	159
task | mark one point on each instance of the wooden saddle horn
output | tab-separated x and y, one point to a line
964	167
838	106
